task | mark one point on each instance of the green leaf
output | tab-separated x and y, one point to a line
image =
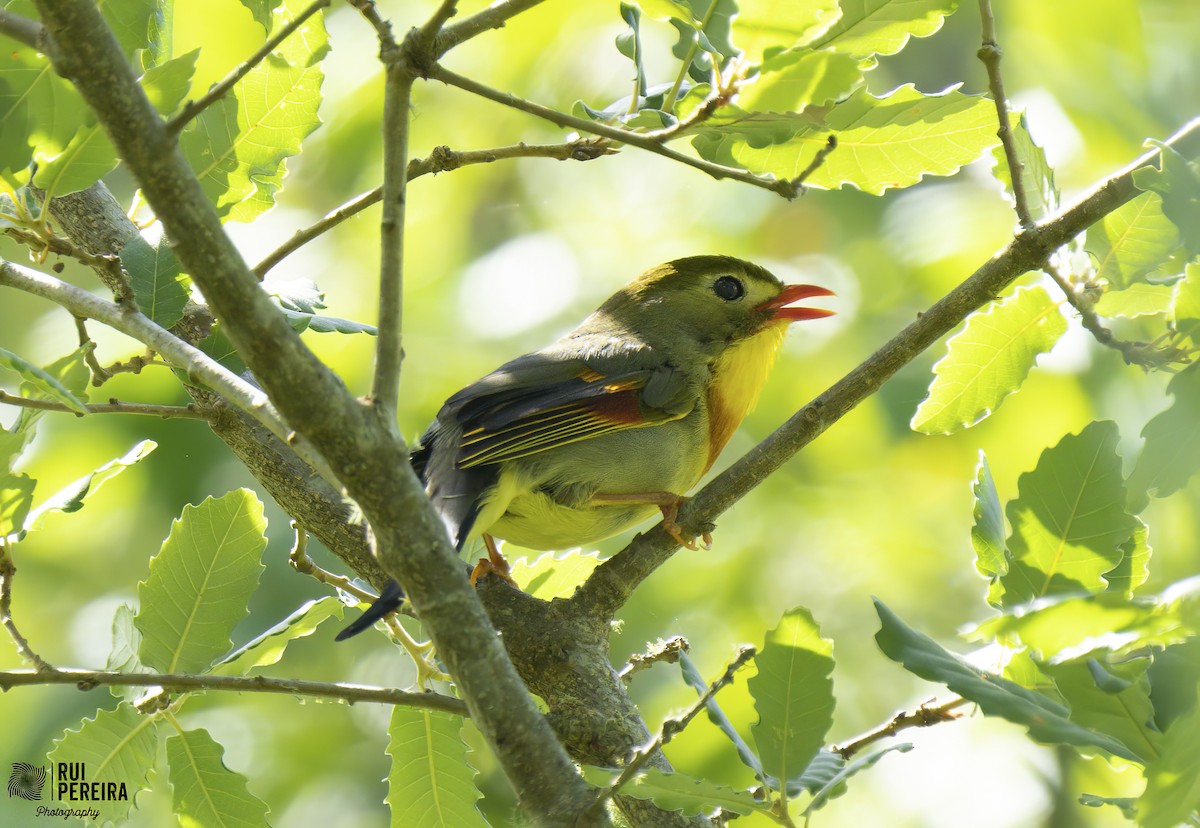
117	747
717	716
629	43
327	324
1128	805
16	496
430	784
130	21
1173	779
677	791
1132	242
158	284
793	80
70	370
1037	176
883	27
167	84
1185	308
42	380
763	24
1178	183
987	535
1046	720
14	440
988	360
205	791
123	657
1171	453
883	143
1134	568
836	786
269	647
238	146
87	157
261	10
1123	712
1139	299
793	694
71	498
1069	520
218	346
552	575
200	581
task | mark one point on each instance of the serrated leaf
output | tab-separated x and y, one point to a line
677	791
793	695
793	80
883	27
1134	568
1037	176
883	143
1173	779
16	496
1046	720
836	785
123	657
1139	299
269	647
988	360
1177	181
1069	520
717	716
1132	242
157	280
200	582
42	380
1126	713
1185	305
762	24
239	145
552	575
430	784
987	534
14	440
1171	453
206	792
261	10
86	158
117	747
71	498
167	84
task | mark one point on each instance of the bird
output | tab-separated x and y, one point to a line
612	423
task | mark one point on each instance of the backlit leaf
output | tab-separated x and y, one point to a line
42	380
1131	242
793	80
1139	299
1185	307
987	535
16	496
71	498
551	575
1173	779
158	284
869	27
269	647
677	791
1037	176
988	360
763	24
205	791
1123	710
1171	453
430	784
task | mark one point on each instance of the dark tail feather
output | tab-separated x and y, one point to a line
388	600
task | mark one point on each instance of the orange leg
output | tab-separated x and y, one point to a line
493	564
668	503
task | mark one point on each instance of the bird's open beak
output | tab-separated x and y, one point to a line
779	306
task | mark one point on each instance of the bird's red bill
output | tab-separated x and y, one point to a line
780	306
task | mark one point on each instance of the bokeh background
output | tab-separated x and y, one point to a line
502	258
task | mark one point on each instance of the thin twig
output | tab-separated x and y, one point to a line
781	186
493	17
350	693
193	108
383	29
830	145
133	365
923	716
113	406
107	267
1144	354
441	159
99	375
7	571
670	729
22	29
668	651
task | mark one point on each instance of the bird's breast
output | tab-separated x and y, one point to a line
738	377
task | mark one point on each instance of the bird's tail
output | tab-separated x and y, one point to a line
388	600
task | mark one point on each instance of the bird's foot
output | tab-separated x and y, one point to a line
493	564
669	512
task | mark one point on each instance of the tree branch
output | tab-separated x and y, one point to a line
364	450
193	108
781	186
923	716
113	406
493	17
8	571
350	693
22	29
441	159
610	585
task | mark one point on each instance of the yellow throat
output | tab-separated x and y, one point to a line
738	378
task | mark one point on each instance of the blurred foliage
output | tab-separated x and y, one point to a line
500	258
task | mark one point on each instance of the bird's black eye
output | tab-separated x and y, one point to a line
729	288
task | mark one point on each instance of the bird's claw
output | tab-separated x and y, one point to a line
487	567
676	531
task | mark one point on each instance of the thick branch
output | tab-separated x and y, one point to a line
364	450
350	693
611	584
113	406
